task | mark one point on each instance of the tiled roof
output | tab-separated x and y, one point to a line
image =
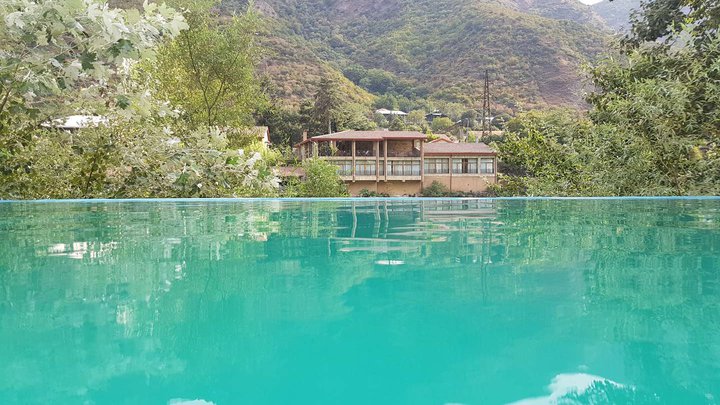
444	148
368	136
443	138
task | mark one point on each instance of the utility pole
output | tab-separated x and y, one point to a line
486	117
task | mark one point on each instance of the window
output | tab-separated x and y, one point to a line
437	166
403	168
344	167
487	165
365	168
465	165
364	149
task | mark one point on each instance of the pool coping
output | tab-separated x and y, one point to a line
354	199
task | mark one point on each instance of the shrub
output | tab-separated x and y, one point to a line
321	180
367	193
435	189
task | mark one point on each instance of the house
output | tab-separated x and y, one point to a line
402	162
435	114
76	122
443	138
389	114
261	134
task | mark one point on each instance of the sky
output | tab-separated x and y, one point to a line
590	1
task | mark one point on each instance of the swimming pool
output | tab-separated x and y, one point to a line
397	301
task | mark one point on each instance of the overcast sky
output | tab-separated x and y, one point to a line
590	1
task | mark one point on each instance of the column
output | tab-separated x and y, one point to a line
385	157
353	160
377	160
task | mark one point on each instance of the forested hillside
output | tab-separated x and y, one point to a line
437	49
433	48
616	13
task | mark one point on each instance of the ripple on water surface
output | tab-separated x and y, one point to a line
360	301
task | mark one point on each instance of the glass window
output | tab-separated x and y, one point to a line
437	166
404	168
487	165
364	168
344	167
465	165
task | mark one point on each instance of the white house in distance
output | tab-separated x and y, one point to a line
76	122
391	113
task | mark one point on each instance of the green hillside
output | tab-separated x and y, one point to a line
437	48
429	49
616	14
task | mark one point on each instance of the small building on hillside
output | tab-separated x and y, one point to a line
261	134
443	138
389	114
435	114
402	162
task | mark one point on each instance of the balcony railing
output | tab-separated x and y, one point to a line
404	168
370	168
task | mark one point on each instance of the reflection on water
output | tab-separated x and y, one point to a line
363	301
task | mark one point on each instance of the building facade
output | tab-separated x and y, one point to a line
402	162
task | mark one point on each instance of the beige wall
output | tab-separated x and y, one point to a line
461	182
393	188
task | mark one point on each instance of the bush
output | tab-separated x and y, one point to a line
436	189
321	180
367	193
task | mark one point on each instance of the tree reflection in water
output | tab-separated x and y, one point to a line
413	301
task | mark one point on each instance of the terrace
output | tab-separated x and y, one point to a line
370	155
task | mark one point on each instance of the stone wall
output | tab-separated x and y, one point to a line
400	148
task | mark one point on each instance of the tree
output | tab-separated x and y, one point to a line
209	70
542	156
57	57
397	124
70	51
441	124
416	117
321	180
327	103
664	21
141	150
388	102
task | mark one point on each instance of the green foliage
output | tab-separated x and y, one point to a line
438	49
544	157
441	124
321	180
653	130
209	70
330	112
142	150
54	52
665	20
436	189
397	124
367	193
132	160
416	117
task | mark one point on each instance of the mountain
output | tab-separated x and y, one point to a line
438	48
616	13
430	49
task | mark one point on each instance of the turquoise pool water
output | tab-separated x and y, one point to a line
361	302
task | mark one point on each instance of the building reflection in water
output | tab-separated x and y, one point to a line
160	289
